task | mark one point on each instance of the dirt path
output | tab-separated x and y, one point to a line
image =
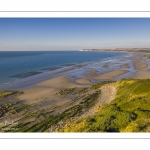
108	93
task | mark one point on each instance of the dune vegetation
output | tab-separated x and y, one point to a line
129	111
4	94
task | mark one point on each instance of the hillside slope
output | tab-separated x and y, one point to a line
121	106
128	112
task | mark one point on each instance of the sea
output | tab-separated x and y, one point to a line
20	69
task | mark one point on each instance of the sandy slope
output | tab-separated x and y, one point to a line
108	93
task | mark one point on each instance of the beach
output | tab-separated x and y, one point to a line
44	93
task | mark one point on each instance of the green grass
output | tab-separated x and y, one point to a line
128	112
140	125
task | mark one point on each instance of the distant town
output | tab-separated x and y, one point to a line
147	50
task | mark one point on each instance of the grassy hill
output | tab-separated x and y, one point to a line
128	112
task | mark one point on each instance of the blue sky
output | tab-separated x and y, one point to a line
73	33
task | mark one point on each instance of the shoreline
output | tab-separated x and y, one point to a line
131	66
47	97
78	69
41	90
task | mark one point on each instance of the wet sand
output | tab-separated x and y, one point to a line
138	62
125	66
106	76
44	93
139	65
106	65
46	90
144	74
83	80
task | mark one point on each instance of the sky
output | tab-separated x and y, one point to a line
73	33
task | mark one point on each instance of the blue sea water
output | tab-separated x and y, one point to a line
15	65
